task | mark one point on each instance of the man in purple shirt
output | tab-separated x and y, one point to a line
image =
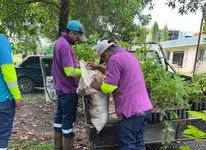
65	78
125	80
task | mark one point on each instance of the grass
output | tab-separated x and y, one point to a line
30	145
33	98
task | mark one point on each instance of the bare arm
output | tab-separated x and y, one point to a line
93	66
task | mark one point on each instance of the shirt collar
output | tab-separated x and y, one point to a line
67	37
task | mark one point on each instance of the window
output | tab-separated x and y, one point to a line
48	63
178	58
168	55
202	55
32	62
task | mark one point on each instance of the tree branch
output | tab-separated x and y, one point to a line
39	1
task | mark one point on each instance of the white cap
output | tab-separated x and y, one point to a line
102	46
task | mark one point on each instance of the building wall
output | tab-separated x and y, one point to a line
188	59
201	64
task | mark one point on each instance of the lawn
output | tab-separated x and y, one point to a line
29	145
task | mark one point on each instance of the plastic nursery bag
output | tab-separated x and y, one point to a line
98	105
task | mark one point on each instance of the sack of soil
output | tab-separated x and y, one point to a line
98	105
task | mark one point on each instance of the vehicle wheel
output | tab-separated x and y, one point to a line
26	85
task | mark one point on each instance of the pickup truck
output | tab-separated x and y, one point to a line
107	138
29	72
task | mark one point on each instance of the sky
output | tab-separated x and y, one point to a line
163	15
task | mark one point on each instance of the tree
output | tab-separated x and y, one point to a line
184	6
153	35
189	6
63	15
49	17
111	19
164	34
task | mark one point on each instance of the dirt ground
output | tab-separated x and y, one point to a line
34	122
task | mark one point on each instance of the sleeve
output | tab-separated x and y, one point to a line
65	54
113	72
72	72
9	75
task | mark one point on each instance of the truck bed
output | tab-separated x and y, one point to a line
107	138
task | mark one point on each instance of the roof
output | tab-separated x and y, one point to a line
191	41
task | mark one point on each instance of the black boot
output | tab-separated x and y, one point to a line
58	141
68	143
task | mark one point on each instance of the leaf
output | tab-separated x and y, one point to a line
198	115
194	132
185	148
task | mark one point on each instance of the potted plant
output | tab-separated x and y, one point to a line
166	89
197	92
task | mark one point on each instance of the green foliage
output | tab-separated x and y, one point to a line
167	134
142	35
166	89
185	148
184	7
27	18
86	51
154	32
111	19
114	19
27	46
125	45
197	88
33	98
193	132
31	145
26	21
164	34
199	114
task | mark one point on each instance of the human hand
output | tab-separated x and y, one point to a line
18	103
92	66
96	85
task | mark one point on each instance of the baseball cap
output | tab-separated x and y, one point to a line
102	46
76	26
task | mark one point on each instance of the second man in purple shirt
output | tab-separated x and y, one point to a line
124	78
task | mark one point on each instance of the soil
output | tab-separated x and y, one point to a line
34	122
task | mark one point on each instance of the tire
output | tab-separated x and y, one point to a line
26	85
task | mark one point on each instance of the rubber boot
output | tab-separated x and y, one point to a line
68	143
58	141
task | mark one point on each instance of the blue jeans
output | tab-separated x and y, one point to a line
131	131
7	113
66	113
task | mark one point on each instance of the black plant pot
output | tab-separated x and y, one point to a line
181	113
198	106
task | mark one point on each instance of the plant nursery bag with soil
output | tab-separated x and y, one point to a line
98	105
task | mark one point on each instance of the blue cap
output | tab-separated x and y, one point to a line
76	26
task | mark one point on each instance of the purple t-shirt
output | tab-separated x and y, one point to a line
123	70
63	56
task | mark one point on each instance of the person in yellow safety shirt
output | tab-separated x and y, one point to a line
10	97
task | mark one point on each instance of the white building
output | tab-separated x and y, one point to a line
181	54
